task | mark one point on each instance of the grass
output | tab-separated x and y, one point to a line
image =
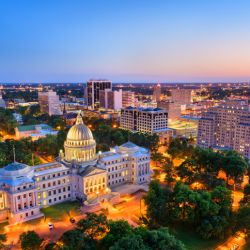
192	240
62	210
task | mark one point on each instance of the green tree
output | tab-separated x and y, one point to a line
117	137
189	170
160	239
158	158
30	240
7	122
117	230
246	198
131	242
57	122
235	166
3	239
156	200
76	240
94	226
243	219
169	170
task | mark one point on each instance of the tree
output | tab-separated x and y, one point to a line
189	170
169	170
30	240
3	239
160	239
57	122
7	121
117	230
94	226
132	242
158	158
76	240
157	207
180	148
117	137
246	199
235	165
243	219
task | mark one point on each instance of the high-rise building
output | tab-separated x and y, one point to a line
146	120
2	102
157	93
111	99
128	99
181	96
49	103
93	91
226	126
173	109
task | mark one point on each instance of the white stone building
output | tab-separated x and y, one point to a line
78	173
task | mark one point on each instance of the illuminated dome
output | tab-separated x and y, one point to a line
80	144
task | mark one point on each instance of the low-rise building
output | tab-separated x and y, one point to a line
34	131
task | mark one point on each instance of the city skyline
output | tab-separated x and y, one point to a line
143	41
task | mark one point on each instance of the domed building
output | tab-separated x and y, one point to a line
80	145
77	174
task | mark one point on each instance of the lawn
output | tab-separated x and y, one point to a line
192	240
62	210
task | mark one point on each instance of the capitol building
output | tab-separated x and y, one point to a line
78	173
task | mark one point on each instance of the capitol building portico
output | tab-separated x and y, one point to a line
78	173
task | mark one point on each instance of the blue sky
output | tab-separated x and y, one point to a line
124	40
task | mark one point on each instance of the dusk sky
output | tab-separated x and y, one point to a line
124	40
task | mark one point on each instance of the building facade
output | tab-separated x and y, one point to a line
181	96
78	173
49	103
111	99
157	93
34	131
128	99
226	126
146	120
93	91
173	109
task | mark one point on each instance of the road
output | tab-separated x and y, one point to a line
236	241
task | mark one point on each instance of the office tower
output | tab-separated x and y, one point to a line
93	91
226	126
181	96
146	120
111	99
173	109
157	93
128	99
49	103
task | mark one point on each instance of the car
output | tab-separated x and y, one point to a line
72	220
50	225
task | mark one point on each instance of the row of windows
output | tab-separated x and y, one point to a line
24	187
24	196
47	177
95	182
120	180
52	184
95	189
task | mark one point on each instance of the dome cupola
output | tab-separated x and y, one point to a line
80	144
